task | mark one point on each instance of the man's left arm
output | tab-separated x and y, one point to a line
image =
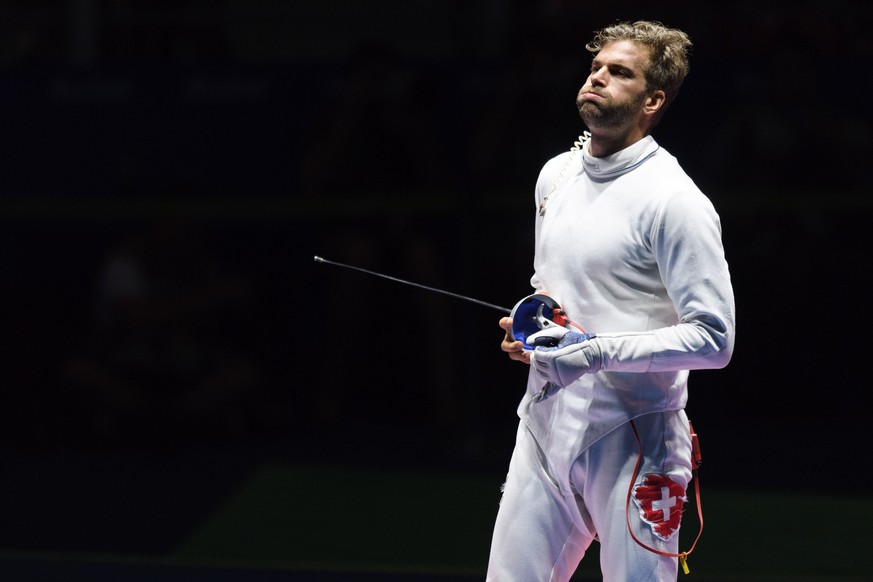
686	243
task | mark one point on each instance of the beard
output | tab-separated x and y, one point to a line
609	114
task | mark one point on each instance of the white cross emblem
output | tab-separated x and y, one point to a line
665	503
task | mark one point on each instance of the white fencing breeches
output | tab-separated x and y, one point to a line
541	534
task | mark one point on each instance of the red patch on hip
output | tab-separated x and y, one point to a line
660	501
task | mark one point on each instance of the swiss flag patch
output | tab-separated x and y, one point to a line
660	501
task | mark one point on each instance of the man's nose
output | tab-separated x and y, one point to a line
598	76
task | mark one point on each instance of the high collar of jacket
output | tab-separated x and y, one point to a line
621	162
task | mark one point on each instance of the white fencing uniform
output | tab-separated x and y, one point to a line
631	249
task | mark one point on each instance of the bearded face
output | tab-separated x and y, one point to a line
600	109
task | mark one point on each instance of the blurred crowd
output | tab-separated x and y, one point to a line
139	316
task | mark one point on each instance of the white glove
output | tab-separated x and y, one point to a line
565	363
548	337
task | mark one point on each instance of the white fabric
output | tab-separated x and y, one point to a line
637	260
541	534
632	250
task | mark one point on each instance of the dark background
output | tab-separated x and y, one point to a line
169	169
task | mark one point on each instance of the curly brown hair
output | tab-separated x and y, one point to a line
668	52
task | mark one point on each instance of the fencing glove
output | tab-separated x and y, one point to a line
573	356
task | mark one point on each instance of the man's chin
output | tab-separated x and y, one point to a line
590	113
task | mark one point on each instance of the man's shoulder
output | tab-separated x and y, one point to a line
672	172
558	164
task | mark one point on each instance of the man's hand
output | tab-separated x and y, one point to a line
570	359
512	346
548	337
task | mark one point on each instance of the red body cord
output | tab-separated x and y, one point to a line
696	458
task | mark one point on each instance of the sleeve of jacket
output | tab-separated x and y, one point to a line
545	184
686	241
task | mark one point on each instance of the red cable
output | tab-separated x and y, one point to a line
682	555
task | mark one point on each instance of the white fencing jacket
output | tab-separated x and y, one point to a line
631	249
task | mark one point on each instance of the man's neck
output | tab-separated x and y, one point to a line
605	143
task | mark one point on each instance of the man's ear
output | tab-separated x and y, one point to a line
655	101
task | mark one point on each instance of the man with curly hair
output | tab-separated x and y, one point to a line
629	246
